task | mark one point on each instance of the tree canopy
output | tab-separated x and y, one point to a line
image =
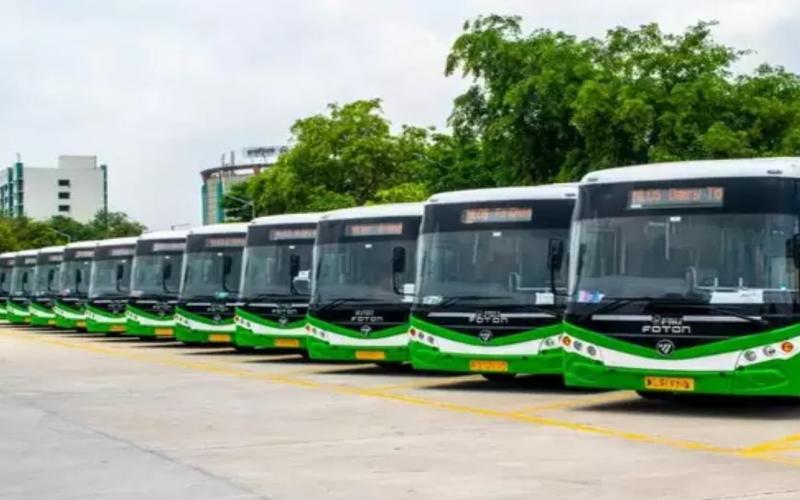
20	233
541	107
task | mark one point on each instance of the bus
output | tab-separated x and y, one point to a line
684	279
488	299
6	268
363	283
17	308
76	270
212	268
155	282
45	286
110	285
273	298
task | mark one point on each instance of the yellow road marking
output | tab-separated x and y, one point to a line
229	370
786	443
578	402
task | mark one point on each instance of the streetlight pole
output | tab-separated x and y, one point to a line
62	233
244	203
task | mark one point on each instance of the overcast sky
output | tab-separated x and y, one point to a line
159	89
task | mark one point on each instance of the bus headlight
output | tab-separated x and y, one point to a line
750	356
769	351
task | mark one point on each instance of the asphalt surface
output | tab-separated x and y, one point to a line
89	417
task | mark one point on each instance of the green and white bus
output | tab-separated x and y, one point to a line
274	293
684	278
155	282
45	286
76	272
6	268
363	283
109	286
17	308
487	299
212	269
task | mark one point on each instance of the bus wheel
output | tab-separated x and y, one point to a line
653	395
392	367
244	349
499	378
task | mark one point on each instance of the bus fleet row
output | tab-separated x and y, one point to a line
679	277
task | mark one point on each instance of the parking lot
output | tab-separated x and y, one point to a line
87	416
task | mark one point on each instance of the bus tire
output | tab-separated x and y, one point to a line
244	349
499	378
654	395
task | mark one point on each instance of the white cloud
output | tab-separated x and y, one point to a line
158	89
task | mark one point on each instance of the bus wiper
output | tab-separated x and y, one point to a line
455	299
718	310
264	296
614	304
342	300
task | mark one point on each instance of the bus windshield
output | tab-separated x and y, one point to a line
21	280
46	279
212	274
5	279
362	270
268	270
490	263
717	258
156	274
110	277
70	272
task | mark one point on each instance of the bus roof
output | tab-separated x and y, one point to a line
702	169
376	212
54	249
543	192
82	244
28	253
165	235
6	255
274	220
231	227
114	242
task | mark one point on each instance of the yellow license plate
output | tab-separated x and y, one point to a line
80	324
678	384
483	365
287	343
370	355
51	322
219	337
117	328
163	332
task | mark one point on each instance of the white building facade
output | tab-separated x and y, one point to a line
77	188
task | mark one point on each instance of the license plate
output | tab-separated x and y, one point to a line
164	332
370	355
219	337
51	322
483	365
287	343
678	384
117	328
80	324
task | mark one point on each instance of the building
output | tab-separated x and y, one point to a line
218	180
76	188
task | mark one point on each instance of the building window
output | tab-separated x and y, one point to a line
63	196
63	182
63	208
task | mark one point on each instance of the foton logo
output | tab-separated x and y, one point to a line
489	318
661	325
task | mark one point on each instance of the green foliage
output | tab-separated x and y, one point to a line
20	233
549	106
542	107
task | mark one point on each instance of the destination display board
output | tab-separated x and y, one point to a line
642	199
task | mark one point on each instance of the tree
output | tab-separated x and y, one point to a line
113	225
548	106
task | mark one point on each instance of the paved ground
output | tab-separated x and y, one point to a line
87	417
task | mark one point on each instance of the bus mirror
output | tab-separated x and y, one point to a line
399	260
25	278
51	275
794	249
555	254
227	265
166	271
294	265
78	277
120	271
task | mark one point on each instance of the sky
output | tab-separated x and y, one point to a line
158	90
